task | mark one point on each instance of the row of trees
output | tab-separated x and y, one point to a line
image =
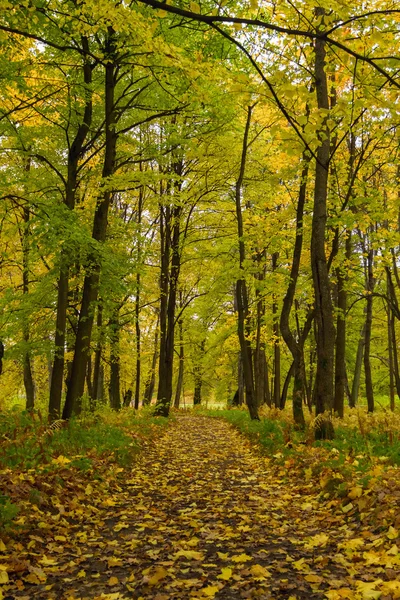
225	201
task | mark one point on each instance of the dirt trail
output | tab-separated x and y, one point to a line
200	516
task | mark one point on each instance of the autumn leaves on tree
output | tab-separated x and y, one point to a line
199	199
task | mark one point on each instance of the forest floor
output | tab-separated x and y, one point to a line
200	515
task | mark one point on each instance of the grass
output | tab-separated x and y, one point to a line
27	442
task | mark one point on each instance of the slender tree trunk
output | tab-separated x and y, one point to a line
277	346
115	385
259	352
340	358
286	384
390	358
151	380
98	354
267	395
323	302
74	155
241	287
198	375
137	300
179	383
92	279
167	310
27	364
370	284
296	345
355	388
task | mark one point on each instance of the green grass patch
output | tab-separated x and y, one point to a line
27	442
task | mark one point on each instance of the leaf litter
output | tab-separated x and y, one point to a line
200	515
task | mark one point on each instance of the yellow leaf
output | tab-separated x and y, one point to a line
3	577
89	490
352	544
367	589
347	508
259	572
301	565
60	538
194	7
210	591
113	581
320	539
223	556
61	460
393	551
32	578
190	554
241	558
81	574
392	534
2	546
226	573
355	492
313	578
159	574
114	561
254	4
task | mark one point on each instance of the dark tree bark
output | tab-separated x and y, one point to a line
137	300
355	388
277	346
75	152
91	283
325	339
170	234
296	346
114	389
198	374
340	357
27	363
96	386
179	383
151	380
370	284
241	287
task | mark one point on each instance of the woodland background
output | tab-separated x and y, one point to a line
169	179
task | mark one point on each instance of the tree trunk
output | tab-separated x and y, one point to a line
137	299
27	365
198	375
340	358
241	287
96	387
370	284
179	383
151	380
390	358
323	303
355	388
74	155
286	384
169	286
277	346
296	345
91	283
115	370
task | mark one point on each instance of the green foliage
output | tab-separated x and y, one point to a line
8	511
268	433
29	443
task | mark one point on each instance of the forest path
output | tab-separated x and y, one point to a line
200	516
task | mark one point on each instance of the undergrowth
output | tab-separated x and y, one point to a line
85	447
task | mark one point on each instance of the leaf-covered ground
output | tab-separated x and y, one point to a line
200	515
